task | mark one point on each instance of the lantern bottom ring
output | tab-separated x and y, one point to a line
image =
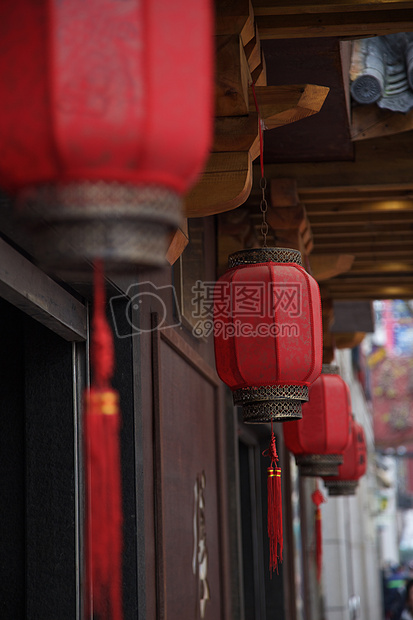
270	393
319	464
341	487
280	410
126	226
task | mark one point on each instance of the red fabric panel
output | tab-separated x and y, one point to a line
324	428
271	331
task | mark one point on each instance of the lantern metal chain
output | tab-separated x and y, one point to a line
264	209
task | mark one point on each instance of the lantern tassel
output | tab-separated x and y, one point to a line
103	479
318	498
274	514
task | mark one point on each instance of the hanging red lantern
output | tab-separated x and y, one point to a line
105	122
353	467
318	440
105	119
268	336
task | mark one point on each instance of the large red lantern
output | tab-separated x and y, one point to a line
105	117
318	440
354	465
268	335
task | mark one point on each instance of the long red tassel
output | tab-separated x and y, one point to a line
103	479
318	498
274	514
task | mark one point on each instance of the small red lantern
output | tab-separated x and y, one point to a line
105	118
268	335
318	440
354	465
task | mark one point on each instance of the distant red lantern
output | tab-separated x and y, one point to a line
268	335
319	440
105	119
354	465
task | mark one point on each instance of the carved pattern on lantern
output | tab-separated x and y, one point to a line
264	255
78	221
270	392
319	464
341	487
280	410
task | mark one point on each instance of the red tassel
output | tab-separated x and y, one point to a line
103	479
274	515
318	498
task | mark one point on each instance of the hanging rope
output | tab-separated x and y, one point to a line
263	180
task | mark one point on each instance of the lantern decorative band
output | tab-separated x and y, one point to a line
264	255
330	369
125	225
276	410
319	464
271	402
270	392
341	487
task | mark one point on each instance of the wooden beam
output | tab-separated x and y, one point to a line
283	218
356	193
237	133
235	232
328	266
27	287
284	192
370	121
381	267
349	283
379	162
259	75
357	232
282	105
373	206
345	219
282	7
253	51
232	77
365	240
235	17
390	291
349	24
225	185
381	251
178	244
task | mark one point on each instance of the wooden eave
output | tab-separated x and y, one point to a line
277	19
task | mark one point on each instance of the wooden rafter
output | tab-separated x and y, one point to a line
283	7
348	18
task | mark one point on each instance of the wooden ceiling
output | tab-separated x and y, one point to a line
357	193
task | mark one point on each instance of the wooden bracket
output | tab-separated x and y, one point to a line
178	243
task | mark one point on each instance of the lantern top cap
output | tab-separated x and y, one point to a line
264	255
330	369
